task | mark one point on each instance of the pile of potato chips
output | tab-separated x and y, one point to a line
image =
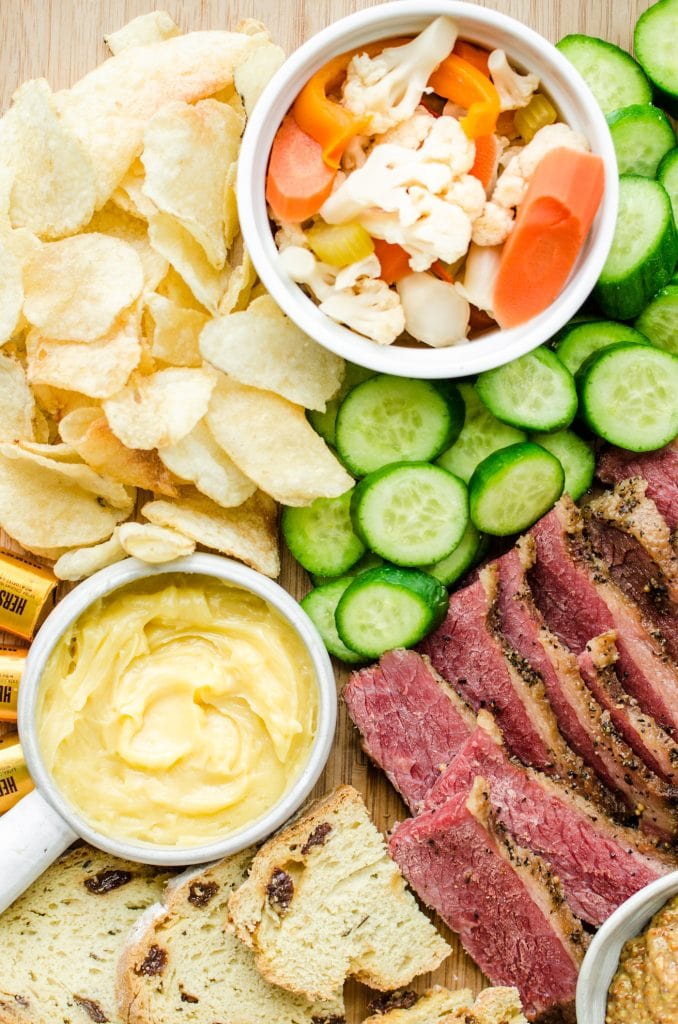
137	350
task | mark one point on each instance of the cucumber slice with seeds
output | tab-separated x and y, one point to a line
535	392
321	535
574	455
481	435
659	320
324	423
577	343
667	175
320	605
629	396
368	561
460	560
642	135
410	513
613	76
513	488
654	41
395	419
389	607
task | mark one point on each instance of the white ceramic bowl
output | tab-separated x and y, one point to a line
118	575
528	51
602	958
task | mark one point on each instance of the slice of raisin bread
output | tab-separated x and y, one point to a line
324	901
442	1006
183	962
62	938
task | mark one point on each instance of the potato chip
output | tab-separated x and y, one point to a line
53	192
41	508
198	459
57	402
11	292
241	279
113	221
154	544
129	195
17	405
157	411
248	533
176	244
263	348
175	332
153	27
255	72
77	287
58	458
174	288
87	431
80	562
187	153
273	443
97	369
108	109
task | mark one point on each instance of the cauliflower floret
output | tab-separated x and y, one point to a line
435	312
302	266
480	274
493	226
349	276
289	234
468	193
388	88
355	153
410	133
514	90
512	184
442	231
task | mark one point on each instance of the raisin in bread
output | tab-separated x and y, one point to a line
62	938
324	901
441	1006
183	962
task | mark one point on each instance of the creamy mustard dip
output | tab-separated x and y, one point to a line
645	988
177	710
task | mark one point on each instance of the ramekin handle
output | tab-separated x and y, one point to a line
32	835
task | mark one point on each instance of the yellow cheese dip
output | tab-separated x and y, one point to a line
176	710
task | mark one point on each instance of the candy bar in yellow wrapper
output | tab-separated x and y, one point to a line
12	661
24	590
15	781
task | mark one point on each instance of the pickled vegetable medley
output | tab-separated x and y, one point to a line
424	190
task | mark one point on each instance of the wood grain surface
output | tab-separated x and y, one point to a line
62	39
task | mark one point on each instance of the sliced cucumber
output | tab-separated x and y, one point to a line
513	487
659	320
481	435
615	79
629	396
320	605
642	135
644	249
460	560
535	392
580	340
654	41
574	455
321	535
389	607
411	513
395	419
667	175
324	423
368	561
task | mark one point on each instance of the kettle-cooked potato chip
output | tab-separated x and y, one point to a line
11	292
248	533
176	244
129	195
76	288
111	220
198	459
273	443
154	544
263	348
113	493
254	73
157	411
187	153
153	27
80	562
17	405
176	331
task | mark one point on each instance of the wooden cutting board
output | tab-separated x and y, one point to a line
62	39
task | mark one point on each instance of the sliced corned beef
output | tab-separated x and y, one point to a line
656	748
580	718
505	904
411	721
659	469
466	651
574	593
598	863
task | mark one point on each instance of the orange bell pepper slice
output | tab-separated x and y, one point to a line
458	80
326	120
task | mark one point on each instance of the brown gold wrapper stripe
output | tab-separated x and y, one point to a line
24	590
15	781
12	661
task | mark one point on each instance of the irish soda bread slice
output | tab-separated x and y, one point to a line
183	962
61	940
324	901
442	1006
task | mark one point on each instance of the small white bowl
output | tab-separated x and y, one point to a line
114	577
529	51
602	958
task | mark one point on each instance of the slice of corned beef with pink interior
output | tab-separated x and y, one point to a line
598	863
411	721
659	469
574	594
581	719
649	741
504	903
466	651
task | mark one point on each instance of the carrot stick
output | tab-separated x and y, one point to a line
475	55
550	229
298	180
394	261
487	156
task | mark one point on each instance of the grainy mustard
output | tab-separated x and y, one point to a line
645	988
